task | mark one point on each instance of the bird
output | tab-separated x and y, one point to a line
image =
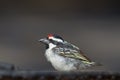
65	56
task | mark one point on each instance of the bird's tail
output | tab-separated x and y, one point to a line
96	64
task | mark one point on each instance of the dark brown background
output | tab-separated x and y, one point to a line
92	25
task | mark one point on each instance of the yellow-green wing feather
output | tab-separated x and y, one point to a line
77	55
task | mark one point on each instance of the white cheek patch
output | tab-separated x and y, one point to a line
55	39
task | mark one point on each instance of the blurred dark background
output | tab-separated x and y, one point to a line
92	25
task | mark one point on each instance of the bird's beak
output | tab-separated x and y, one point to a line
44	40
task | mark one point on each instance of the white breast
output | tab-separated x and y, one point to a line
58	62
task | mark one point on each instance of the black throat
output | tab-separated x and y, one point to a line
46	46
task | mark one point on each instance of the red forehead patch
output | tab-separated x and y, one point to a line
50	35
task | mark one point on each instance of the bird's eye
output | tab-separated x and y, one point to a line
50	40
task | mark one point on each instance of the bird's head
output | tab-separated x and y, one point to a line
53	39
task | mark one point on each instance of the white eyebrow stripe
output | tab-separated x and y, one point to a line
55	39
